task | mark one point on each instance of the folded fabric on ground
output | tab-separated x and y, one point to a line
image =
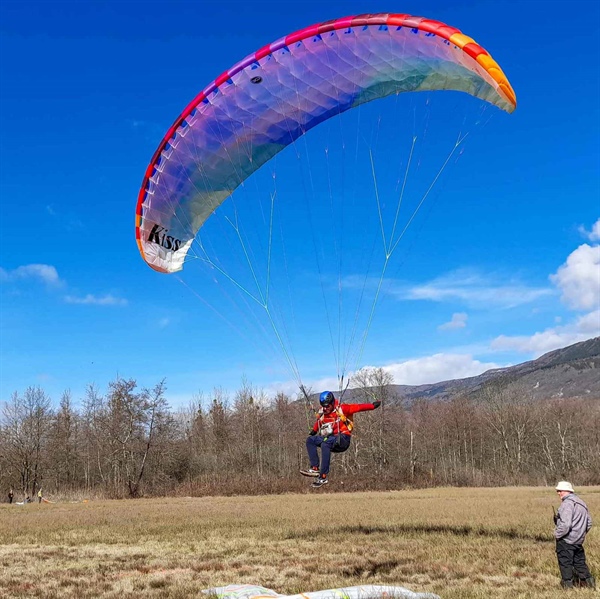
249	591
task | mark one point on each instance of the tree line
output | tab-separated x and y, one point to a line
129	442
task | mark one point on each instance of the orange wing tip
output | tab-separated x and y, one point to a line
461	40
141	249
509	93
493	68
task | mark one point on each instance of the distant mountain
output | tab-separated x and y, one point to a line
572	371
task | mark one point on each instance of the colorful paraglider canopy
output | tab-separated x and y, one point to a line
265	102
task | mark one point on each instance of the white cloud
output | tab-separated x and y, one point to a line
436	368
458	321
589	323
41	272
48	274
420	371
164	322
579	278
89	299
594	234
578	281
585	327
473	289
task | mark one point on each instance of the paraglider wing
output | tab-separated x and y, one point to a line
248	591
266	101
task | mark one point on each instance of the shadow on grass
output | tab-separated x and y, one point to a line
444	529
371	569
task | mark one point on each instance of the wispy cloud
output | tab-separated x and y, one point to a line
89	299
473	289
66	221
48	275
45	273
458	321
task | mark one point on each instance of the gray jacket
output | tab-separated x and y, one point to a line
574	520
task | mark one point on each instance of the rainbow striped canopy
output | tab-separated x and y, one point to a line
272	97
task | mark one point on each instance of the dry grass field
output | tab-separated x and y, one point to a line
458	543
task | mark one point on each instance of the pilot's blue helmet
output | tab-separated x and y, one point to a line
326	399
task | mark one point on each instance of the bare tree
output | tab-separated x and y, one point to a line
93	439
154	423
220	433
27	421
64	453
509	413
373	384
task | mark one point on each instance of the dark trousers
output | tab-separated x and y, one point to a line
571	559
328	445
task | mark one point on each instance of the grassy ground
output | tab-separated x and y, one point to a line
458	543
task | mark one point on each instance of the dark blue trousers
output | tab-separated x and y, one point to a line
571	559
328	445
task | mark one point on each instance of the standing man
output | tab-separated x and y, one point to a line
10	495
332	433
40	495
572	522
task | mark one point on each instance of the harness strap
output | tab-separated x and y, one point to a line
347	420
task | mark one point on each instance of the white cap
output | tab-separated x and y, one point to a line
563	485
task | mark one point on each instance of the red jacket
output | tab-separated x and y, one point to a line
340	417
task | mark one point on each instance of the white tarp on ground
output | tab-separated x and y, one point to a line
249	591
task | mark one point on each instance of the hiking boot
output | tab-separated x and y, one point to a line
310	472
322	480
590	582
565	584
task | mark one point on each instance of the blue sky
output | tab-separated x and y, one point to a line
501	265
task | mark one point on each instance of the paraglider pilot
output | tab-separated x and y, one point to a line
331	432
